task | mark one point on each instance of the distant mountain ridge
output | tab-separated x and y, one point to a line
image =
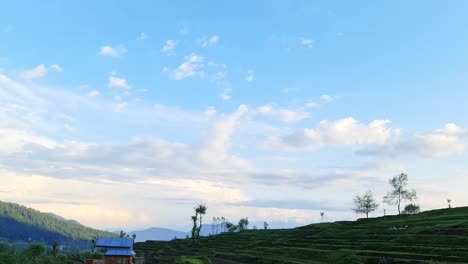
166	234
19	224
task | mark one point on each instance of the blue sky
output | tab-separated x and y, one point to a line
275	110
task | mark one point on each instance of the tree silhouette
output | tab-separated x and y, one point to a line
200	210
243	223
411	209
449	201
399	193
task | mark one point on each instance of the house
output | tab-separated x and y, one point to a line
116	250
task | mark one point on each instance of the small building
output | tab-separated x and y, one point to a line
116	250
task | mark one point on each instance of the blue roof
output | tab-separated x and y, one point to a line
116	242
119	252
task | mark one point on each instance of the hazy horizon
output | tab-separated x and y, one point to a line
127	115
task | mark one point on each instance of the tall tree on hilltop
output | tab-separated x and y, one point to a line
194	228
200	210
399	192
365	204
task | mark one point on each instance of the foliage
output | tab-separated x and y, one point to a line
243	223
399	193
412	209
265	225
365	204
91	255
231	227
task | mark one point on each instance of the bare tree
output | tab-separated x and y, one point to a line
399	192
365	204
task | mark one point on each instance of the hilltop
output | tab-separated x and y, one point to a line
438	236
20	225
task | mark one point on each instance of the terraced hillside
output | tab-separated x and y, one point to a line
439	236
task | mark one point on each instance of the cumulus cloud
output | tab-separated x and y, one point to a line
447	141
114	52
93	93
250	76
347	131
210	111
192	66
226	95
116	82
326	98
307	42
205	42
143	36
40	71
169	47
121	106
284	114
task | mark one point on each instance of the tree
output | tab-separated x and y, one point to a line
122	234
322	214
231	227
449	201
134	236
365	204
412	209
265	225
194	228
200	210
399	193
55	248
35	251
243	223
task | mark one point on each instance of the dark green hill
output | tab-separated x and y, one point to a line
439	236
19	225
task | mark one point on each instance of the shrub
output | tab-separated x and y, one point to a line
412	209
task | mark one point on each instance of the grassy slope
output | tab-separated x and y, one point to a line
439	236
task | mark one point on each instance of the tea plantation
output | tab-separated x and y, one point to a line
438	236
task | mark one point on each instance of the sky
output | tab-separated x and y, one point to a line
128	114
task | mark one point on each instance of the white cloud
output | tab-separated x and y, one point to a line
250	76
307	42
447	141
121	106
93	93
169	47
40	71
205	42
342	132
114	52
116	82
56	67
210	111
192	66
226	95
284	114
143	36
326	98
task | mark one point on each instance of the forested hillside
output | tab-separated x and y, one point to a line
21	224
